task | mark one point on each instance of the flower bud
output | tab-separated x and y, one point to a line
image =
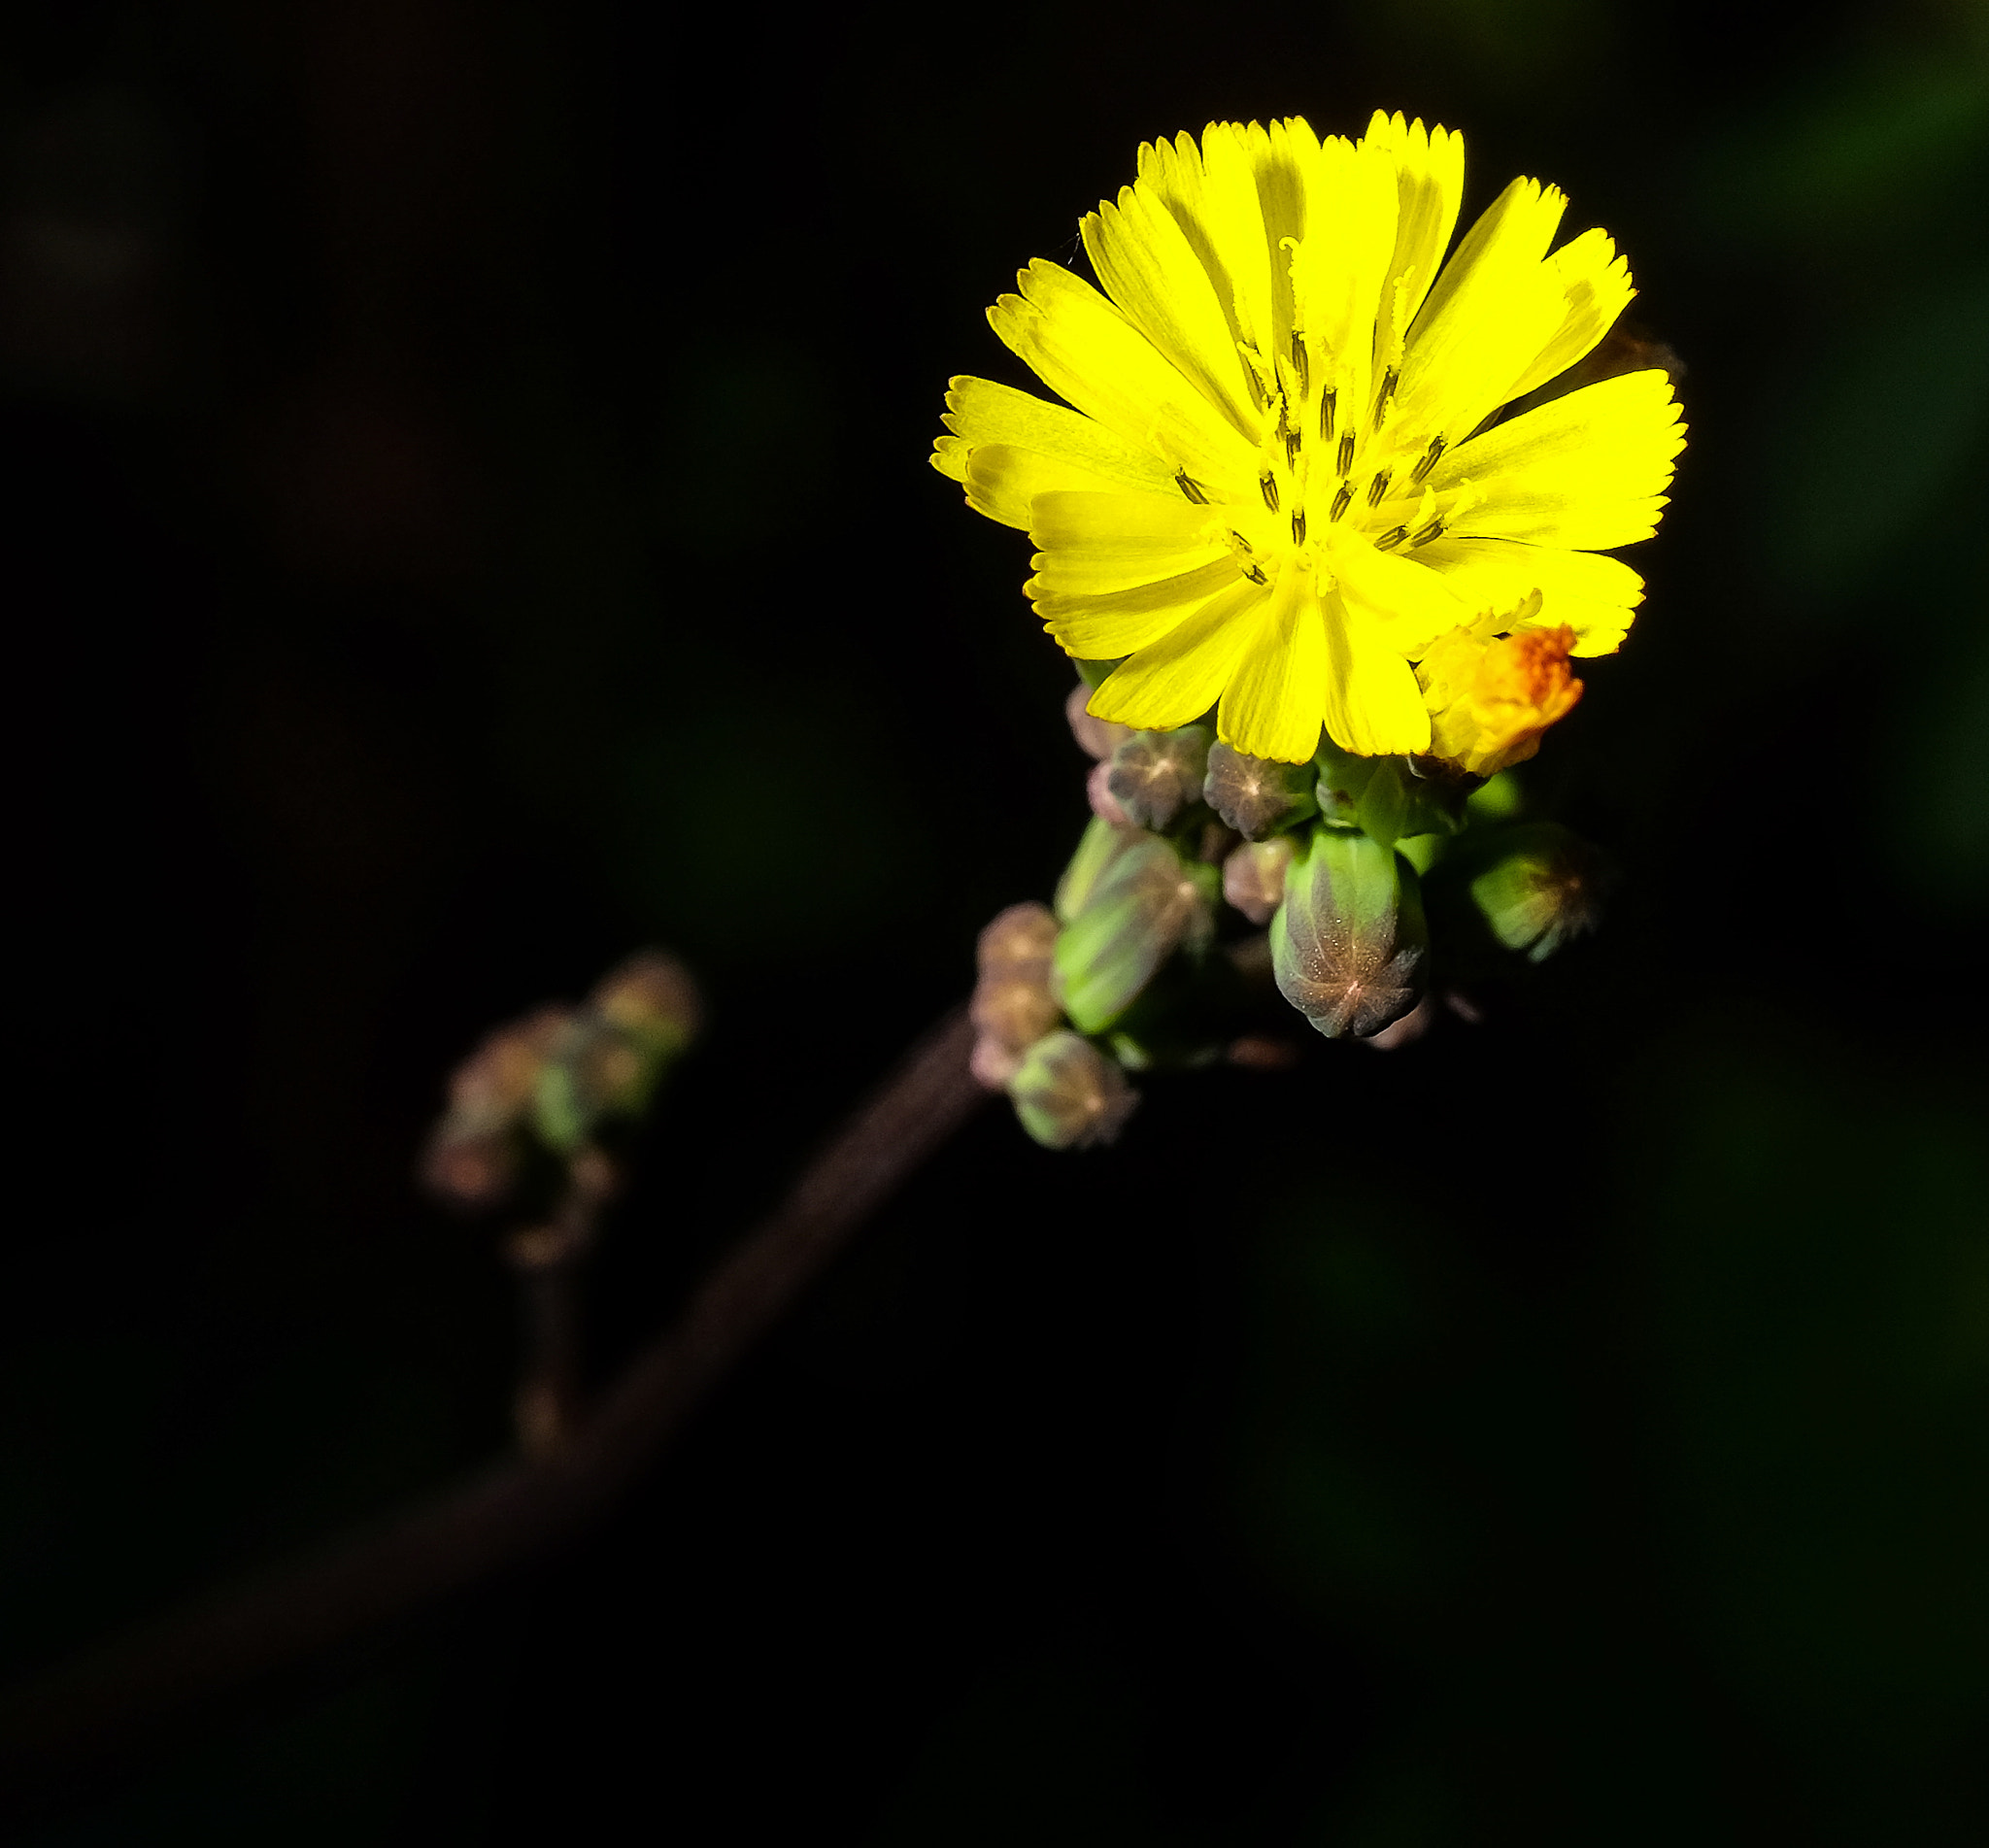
1542	887
1147	904
1097	850
473	1157
1097	789
1349	943
1095	737
1012	1006
1156	774
1254	877
1491	700
651	999
1068	1095
1257	796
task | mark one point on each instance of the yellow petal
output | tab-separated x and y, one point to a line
1277	692
1093	541
1403	603
1107	624
1158	282
979	410
1589	592
1178	677
1280	158
1594	286
1495	306
1212	198
1373	706
1584	471
1086	351
1430	185
1002	481
1339	270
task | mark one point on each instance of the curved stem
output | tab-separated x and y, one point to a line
117	1694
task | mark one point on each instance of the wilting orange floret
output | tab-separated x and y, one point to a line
1490	701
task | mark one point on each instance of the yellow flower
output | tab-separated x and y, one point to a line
1490	698
1276	492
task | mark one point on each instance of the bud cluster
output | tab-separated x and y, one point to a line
1210	883
538	1096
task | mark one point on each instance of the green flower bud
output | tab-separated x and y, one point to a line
1255	795
1542	887
1068	1095
1147	904
1156	774
1349	943
1099	848
1254	877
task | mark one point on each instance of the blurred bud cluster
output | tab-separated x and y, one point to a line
536	1109
1209	884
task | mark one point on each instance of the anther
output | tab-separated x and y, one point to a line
1255	573
1387	379
1267	486
1428	460
1191	488
1326	410
1347	452
1294	443
1342	501
1377	488
1434	531
1391	539
1298	526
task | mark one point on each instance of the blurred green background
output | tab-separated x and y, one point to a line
467	514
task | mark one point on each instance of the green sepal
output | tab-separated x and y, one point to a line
1389	798
1093	673
1097	848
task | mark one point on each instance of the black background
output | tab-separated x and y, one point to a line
466	515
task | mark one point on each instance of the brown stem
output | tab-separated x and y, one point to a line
116	1695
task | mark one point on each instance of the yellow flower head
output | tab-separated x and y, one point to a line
1491	699
1277	488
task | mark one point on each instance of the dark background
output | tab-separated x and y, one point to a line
466	515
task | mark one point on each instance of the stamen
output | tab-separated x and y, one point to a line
1241	544
1391	539
1294	443
1267	486
1326	410
1193	490
1429	461
1342	501
1346	451
1434	531
1377	488
1298	526
1299	363
1254	574
1387	379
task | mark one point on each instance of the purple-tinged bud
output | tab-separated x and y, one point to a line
1255	795
1068	1095
1097	789
473	1157
1349	942
1254	877
1095	737
1156	774
1019	938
